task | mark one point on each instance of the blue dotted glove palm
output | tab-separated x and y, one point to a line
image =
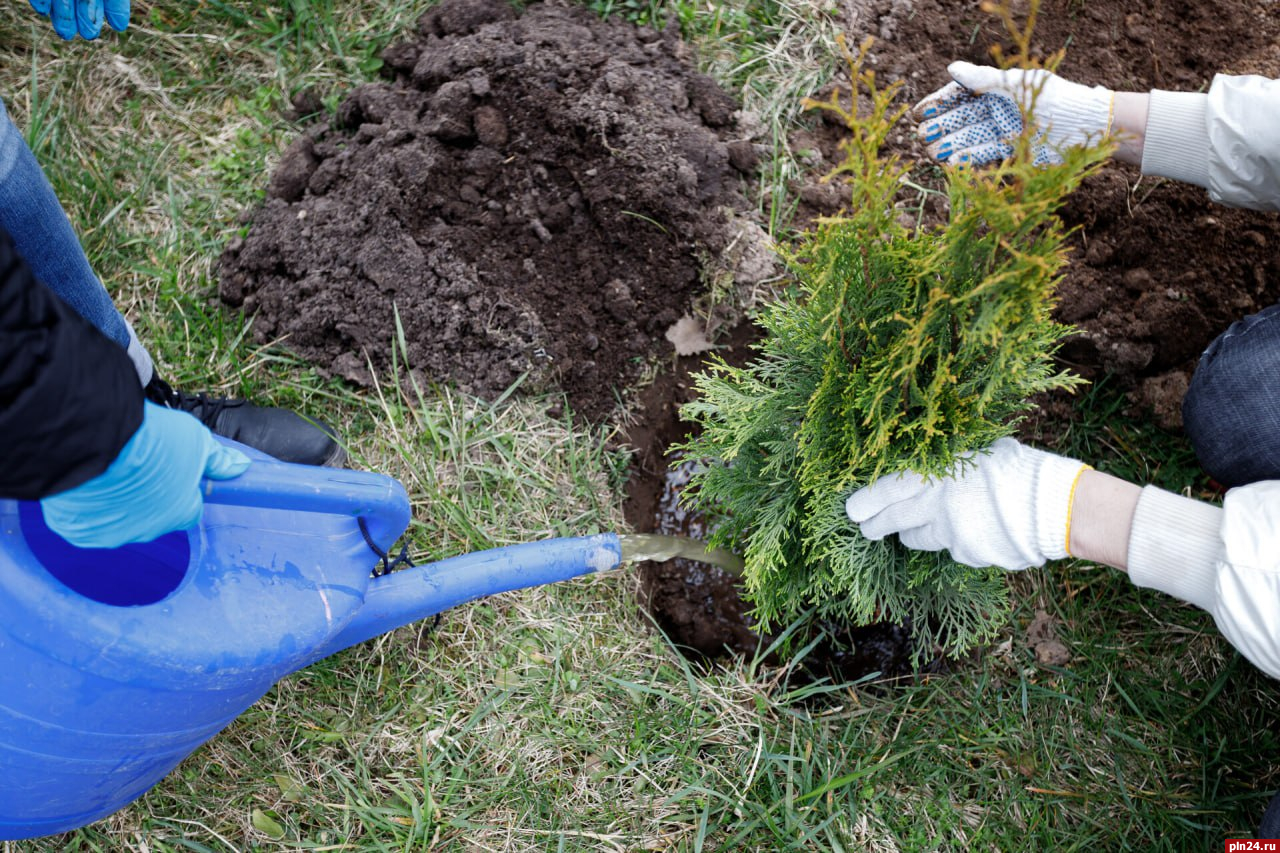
971	120
152	487
83	16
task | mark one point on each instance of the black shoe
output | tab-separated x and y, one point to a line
276	432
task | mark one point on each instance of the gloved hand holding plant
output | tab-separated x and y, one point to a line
1009	506
973	120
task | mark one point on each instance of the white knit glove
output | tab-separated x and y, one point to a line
970	121
1007	507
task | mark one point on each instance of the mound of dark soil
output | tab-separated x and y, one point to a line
538	193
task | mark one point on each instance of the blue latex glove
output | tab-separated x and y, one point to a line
83	16
152	487
970	121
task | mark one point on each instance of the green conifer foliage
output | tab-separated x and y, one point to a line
896	349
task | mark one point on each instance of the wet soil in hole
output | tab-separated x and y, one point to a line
700	607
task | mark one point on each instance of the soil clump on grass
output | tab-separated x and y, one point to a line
540	194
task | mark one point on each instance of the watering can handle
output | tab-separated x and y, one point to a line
378	499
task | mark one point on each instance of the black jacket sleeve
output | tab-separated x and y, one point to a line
70	397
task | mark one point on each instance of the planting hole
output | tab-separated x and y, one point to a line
700	607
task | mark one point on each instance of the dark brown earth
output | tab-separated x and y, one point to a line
1158	270
696	605
537	194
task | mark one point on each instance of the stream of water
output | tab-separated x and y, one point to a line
660	548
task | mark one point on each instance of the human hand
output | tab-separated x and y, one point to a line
971	120
152	487
83	16
1008	507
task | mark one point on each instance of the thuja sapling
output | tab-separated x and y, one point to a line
895	349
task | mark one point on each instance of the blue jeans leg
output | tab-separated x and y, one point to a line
1270	827
1231	413
1232	410
35	220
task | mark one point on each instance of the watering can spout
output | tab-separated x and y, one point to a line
409	595
413	594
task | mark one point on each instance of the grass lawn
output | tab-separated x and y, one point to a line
558	718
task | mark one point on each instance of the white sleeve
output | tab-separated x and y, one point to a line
1225	560
1227	140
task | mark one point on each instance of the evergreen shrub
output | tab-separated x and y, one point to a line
894	348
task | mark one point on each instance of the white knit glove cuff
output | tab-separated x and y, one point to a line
1081	114
1055	479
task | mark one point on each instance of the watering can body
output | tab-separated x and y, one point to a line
115	664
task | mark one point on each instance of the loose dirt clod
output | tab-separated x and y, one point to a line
1042	636
538	193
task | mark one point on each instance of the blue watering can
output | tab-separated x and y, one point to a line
115	664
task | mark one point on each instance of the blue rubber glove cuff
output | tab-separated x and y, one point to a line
152	488
85	17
